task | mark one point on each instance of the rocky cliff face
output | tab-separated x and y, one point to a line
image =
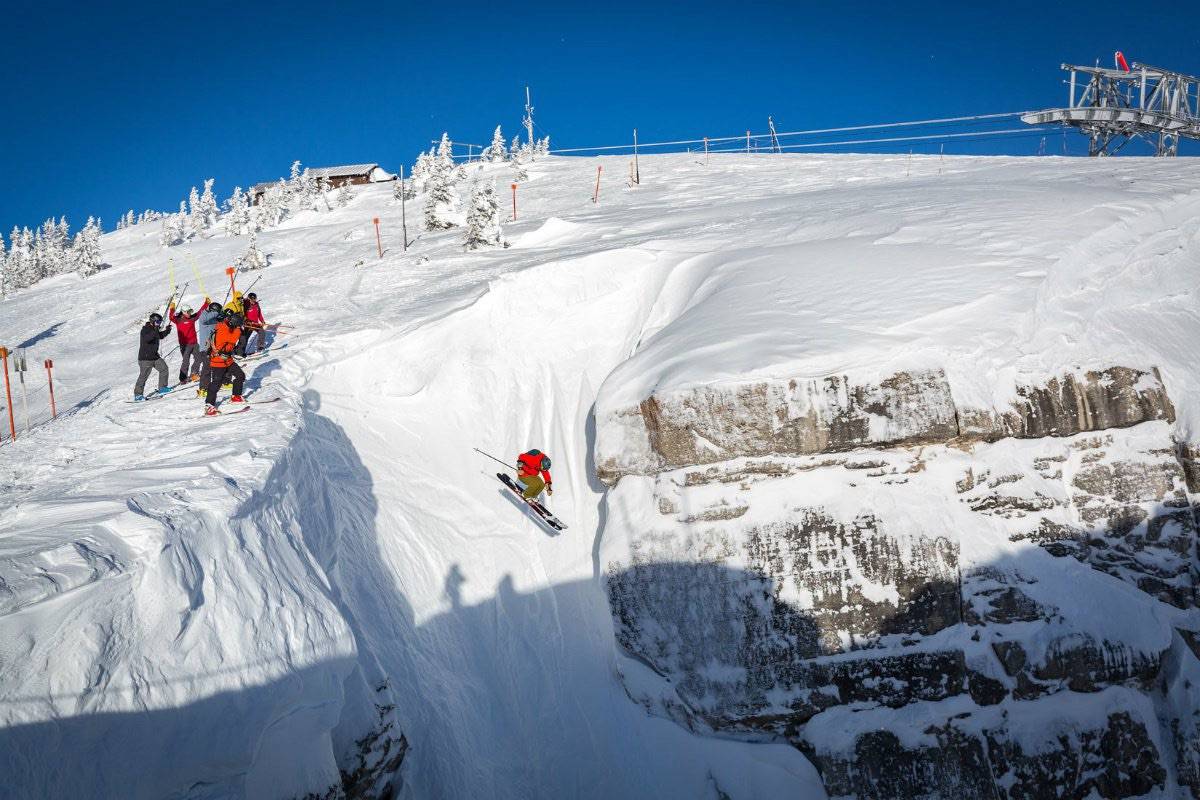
930	600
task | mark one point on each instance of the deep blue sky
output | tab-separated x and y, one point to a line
106	108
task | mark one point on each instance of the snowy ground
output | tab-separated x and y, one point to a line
193	608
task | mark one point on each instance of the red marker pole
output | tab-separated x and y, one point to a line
50	378
12	423
378	241
514	188
231	271
596	194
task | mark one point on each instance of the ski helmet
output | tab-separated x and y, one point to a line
187	312
156	318
545	462
233	320
214	306
252	296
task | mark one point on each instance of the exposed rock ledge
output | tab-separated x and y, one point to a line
709	424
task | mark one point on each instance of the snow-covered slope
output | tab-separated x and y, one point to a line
333	590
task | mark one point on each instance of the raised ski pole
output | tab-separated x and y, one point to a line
493	458
230	271
49	364
12	424
251	286
196	272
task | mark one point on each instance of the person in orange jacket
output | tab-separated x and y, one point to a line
224	342
533	470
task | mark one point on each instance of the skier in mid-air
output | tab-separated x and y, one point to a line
148	357
533	471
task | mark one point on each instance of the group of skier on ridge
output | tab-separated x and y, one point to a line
209	341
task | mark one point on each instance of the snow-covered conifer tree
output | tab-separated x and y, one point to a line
344	194
543	146
236	218
496	151
483	219
253	258
5	286
194	214
293	183
441	200
208	205
87	249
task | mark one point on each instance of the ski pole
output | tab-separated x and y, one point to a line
251	286
493	458
196	272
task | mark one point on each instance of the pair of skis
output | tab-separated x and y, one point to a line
539	509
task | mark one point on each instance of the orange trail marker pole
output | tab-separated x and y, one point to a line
230	271
50	378
596	194
12	423
378	241
514	188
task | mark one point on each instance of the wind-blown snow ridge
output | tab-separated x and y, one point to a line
335	585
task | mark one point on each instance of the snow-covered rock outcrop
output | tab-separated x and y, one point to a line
964	564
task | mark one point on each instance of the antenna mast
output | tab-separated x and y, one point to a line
528	118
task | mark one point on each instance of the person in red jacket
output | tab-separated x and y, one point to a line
533	470
254	323
185	329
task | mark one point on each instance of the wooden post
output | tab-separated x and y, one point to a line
596	194
378	241
12	424
514	190
403	213
50	377
706	151
637	173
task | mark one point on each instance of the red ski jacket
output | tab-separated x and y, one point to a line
254	316
185	327
531	464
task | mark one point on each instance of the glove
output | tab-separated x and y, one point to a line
549	489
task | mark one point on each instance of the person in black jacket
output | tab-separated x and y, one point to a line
148	357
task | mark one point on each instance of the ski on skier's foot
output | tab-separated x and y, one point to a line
539	509
238	410
156	395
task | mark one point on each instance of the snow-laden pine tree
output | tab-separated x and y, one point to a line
421	170
542	148
483	219
293	183
127	220
253	258
87	249
344	194
441	200
306	191
208	205
236	216
517	159
195	216
496	151
4	281
173	227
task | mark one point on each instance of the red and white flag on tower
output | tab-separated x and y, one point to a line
1119	57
